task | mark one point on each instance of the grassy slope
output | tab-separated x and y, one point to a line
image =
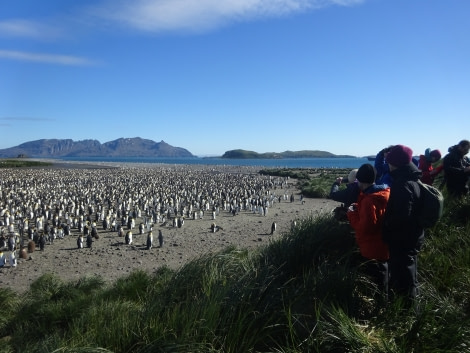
302	293
21	163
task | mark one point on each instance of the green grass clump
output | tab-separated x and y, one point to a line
303	292
313	182
19	163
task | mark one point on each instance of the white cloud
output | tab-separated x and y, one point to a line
202	15
157	16
27	29
46	58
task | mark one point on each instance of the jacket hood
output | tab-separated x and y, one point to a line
453	149
409	171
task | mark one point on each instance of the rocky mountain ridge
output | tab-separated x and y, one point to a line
122	147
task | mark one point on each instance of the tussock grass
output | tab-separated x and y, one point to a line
303	292
313	182
21	163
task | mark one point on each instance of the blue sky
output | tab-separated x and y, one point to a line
344	76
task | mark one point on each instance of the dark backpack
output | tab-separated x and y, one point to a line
432	205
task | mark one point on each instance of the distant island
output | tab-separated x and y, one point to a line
243	154
123	147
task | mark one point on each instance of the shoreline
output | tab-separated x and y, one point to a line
288	163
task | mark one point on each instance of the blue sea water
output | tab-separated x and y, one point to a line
266	163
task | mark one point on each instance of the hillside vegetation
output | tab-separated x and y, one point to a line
304	292
21	163
313	182
244	154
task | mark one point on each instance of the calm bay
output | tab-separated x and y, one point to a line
265	163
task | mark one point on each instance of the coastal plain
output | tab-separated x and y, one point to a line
155	186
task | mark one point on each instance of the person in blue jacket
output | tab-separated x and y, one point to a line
382	168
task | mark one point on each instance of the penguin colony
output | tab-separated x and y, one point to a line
133	203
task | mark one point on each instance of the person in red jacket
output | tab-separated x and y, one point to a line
366	218
425	163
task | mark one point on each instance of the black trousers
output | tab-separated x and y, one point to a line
403	267
378	272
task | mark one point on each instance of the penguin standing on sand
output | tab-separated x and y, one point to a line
13	261
31	246
80	242
293	225
273	227
149	240
3	259
160	238
42	242
89	241
11	243
128	238
94	232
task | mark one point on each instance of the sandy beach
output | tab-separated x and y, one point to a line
110	258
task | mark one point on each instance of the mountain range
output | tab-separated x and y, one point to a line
136	147
123	147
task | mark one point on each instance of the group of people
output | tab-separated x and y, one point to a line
383	203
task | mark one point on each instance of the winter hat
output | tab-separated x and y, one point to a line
436	154
366	173
352	176
399	156
427	154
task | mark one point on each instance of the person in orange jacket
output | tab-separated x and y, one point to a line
425	163
366	218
